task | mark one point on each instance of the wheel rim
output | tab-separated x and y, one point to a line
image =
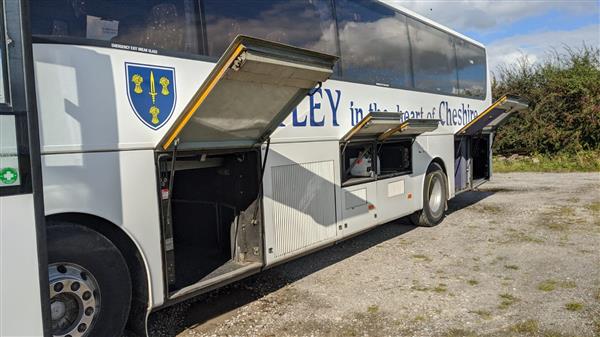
435	196
74	300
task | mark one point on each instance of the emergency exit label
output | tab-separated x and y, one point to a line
8	175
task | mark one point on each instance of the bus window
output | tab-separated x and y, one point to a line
3	73
374	43
9	158
471	69
2	79
160	24
302	23
434	60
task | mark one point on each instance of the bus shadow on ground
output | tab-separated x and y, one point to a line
213	308
467	199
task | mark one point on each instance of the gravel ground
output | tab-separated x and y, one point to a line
518	257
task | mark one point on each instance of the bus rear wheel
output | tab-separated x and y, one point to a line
90	286
435	192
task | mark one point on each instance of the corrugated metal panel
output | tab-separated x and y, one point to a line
303	205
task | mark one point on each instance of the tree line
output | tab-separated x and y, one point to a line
564	95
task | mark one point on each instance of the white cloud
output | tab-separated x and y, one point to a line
494	15
487	15
536	45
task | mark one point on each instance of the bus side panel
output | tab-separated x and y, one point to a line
83	102
19	273
398	196
301	185
117	186
356	204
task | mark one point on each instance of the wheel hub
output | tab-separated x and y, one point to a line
74	299
435	196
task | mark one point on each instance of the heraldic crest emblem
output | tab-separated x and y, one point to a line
151	92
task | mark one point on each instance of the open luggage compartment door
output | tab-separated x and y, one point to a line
383	125
473	143
361	148
494	116
210	188
251	90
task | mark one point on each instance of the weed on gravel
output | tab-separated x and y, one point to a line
440	288
422	258
550	285
594	207
485	314
513	236
456	332
529	326
507	300
574	306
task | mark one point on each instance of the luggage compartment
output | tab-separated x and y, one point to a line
216	220
209	161
473	143
472	161
380	146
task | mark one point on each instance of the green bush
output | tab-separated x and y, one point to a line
564	91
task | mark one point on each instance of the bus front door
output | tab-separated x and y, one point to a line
23	268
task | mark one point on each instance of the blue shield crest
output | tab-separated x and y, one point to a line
152	93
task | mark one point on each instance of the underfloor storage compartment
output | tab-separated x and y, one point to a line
215	216
358	165
471	161
394	158
480	150
472	143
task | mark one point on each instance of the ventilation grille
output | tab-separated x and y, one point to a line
303	205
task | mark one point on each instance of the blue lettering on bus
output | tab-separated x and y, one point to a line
295	121
313	107
334	105
323	111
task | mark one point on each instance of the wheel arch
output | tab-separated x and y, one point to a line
136	262
439	161
430	167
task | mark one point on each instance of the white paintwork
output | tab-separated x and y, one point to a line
98	157
355	198
396	188
19	273
118	186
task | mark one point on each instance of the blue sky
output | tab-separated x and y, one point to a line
512	29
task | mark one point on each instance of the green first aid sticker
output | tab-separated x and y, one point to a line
8	175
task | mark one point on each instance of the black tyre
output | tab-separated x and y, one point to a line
90	287
435	198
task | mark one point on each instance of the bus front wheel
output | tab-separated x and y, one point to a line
90	286
435	192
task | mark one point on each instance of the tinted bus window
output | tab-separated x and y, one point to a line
374	43
3	67
434	62
471	69
156	24
2	77
303	23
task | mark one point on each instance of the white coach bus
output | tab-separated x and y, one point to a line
179	155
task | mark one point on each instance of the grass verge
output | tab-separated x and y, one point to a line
584	161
